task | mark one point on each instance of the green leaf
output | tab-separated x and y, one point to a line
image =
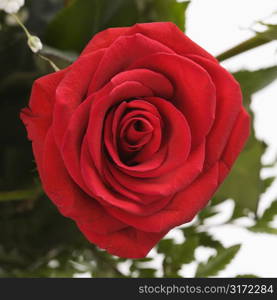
269	213
247	276
257	40
31	193
164	10
207	240
263	228
270	34
76	24
175	255
165	246
217	262
262	225
184	253
253	81
147	273
243	183
206	213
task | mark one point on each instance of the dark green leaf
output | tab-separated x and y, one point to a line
184	253
206	213
244	184
269	213
270	34
263	223
253	81
31	193
257	40
165	246
147	273
177	254
206	240
247	276
76	24
217	262
164	10
263	228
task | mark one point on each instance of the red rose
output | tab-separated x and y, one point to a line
135	136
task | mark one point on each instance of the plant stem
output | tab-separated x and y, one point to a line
22	25
50	62
29	36
102	260
256	41
20	194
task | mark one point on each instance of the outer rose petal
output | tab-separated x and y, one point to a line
69	198
228	107
166	33
113	62
181	209
38	117
72	91
127	242
236	142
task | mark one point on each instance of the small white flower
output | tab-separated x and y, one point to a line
23	16
34	43
11	6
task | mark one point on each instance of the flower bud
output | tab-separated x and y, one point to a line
34	43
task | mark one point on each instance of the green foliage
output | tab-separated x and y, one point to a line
253	81
163	10
75	25
260	38
247	276
33	233
270	34
244	183
207	240
263	223
217	262
177	254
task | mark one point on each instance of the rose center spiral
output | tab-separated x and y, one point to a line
136	131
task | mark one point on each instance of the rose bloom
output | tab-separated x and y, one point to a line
136	135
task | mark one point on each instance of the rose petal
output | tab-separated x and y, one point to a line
194	90
166	33
181	209
38	117
72	90
73	140
228	107
71	201
236	142
167	184
113	62
99	109
157	82
128	242
108	197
